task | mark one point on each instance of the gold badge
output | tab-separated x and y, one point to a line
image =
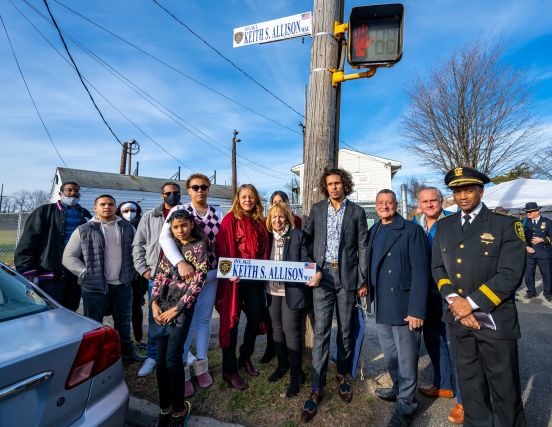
487	238
225	266
543	225
518	228
458	172
238	37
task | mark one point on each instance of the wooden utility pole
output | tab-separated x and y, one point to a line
234	173
122	164
321	139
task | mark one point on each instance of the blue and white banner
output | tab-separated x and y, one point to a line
258	269
299	25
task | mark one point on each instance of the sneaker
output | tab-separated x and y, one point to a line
133	356
147	367
182	420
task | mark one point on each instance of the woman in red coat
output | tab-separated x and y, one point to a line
242	234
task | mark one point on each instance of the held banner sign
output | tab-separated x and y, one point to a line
258	269
271	31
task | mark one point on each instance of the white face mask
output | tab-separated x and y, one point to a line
129	216
69	201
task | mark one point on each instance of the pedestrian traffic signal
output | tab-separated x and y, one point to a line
375	35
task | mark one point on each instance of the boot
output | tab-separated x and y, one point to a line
200	370
188	386
297	376
269	352
283	365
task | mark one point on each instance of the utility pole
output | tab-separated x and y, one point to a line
1	197
122	164
234	173
321	139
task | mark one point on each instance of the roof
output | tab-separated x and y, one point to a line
395	166
115	181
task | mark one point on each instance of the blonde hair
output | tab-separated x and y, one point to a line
279	207
258	210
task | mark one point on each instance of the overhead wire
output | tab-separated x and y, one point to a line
79	73
31	95
145	95
101	94
219	53
166	64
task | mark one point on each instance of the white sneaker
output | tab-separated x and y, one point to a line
147	367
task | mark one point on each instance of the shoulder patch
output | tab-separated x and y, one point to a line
518	228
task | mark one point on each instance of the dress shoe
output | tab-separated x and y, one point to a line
248	366
310	408
549	299
529	296
386	394
399	419
277	375
344	389
430	390
295	384
235	381
456	415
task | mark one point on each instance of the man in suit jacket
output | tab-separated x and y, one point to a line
478	259
337	231
538	233
399	283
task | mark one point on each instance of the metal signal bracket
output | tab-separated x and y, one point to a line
340	29
339	76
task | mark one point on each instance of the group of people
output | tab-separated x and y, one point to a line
446	277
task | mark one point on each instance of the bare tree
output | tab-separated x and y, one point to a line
27	201
413	186
542	163
473	110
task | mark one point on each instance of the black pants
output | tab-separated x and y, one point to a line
488	375
287	333
545	267
252	299
139	289
64	288
169	366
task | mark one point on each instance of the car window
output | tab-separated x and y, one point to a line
18	297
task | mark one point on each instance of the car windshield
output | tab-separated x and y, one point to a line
18	297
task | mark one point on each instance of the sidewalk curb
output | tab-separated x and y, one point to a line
143	413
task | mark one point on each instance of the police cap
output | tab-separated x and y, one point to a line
462	176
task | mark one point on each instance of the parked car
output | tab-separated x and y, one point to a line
57	368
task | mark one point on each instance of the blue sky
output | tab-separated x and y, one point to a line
371	108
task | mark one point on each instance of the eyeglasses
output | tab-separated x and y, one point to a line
168	193
203	187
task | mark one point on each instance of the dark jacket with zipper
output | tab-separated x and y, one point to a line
298	295
42	243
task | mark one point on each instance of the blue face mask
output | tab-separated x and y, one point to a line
69	201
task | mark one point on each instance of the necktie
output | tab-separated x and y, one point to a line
466	224
535	221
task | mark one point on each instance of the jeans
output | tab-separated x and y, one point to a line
252	298
119	300
401	348
169	366
201	322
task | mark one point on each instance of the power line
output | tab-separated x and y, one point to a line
218	52
166	64
30	94
79	73
145	95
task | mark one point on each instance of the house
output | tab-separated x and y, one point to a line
370	174
144	190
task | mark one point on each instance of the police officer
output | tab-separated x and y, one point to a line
478	259
538	232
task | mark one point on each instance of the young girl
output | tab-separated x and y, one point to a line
173	300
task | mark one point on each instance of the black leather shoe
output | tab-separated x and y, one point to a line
277	375
399	420
529	296
310	408
386	394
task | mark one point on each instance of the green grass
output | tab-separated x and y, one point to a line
7	245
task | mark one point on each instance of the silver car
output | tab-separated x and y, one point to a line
57	368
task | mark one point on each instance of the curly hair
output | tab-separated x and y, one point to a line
346	181
200	176
258	210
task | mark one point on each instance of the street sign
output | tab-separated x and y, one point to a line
299	25
375	35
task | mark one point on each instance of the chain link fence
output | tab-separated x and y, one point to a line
11	228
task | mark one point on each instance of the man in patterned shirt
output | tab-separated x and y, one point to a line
337	231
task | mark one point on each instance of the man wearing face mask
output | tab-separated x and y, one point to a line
131	212
145	254
40	248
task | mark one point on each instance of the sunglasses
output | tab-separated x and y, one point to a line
203	187
168	193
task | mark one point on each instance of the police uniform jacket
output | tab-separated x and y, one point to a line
542	229
486	264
